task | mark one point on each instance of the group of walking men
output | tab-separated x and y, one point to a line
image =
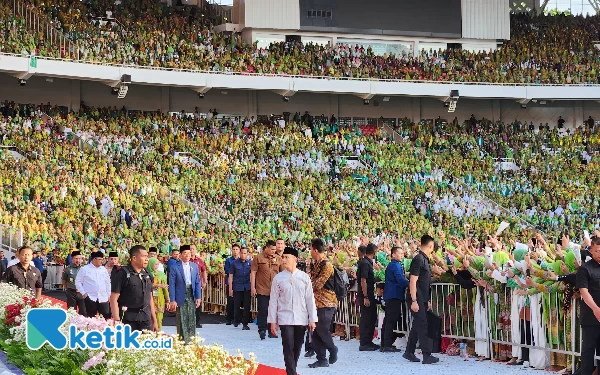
292	301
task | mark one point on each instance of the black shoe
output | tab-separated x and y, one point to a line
411	357
377	347
333	355
228	323
272	336
262	335
309	354
429	360
367	348
198	325
235	325
245	328
390	350
320	363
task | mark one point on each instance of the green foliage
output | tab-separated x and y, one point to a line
46	361
557	12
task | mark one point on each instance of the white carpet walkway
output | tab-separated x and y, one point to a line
351	361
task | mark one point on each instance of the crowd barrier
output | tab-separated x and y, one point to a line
54	274
492	320
481	317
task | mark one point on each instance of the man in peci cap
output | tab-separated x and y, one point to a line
74	297
93	281
292	308
112	266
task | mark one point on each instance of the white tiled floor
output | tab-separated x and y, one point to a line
351	361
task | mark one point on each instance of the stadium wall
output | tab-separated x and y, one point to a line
70	93
486	19
274	14
438	18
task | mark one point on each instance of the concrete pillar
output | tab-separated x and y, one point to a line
577	117
252	104
76	95
165	99
496	110
416	109
334	105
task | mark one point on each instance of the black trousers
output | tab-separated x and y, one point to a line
292	338
308	346
321	337
590	337
263	310
139	326
239	299
75	299
393	315
418	332
94	307
368	322
526	338
198	313
229	309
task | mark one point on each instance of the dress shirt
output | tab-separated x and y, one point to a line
187	273
94	281
240	273
292	300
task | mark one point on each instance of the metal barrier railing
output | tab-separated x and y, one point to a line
484	317
39	23
11	239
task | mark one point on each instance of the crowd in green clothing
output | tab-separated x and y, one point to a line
542	49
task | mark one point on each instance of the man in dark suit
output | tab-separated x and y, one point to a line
185	293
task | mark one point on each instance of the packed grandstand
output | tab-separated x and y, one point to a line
102	177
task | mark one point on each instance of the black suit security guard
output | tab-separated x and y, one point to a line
588	282
74	298
420	292
131	299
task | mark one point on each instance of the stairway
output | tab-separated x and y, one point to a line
38	23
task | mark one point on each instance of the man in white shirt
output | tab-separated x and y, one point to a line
93	282
292	308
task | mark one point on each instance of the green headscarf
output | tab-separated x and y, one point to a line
519	254
162	278
382	258
478	263
500	258
407	262
570	261
556	267
457	263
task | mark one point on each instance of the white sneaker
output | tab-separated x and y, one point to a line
526	364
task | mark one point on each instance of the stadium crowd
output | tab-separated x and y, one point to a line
108	179
542	49
104	178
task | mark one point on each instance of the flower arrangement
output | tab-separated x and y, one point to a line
13	312
193	358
